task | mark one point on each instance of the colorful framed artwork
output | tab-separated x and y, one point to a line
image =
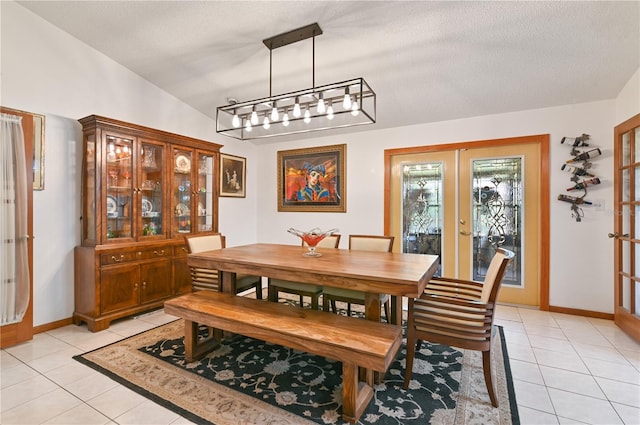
312	179
233	174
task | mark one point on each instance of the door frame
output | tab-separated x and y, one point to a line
626	320
543	141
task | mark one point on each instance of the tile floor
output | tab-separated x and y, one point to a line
566	369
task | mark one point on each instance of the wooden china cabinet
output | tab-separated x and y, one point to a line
143	190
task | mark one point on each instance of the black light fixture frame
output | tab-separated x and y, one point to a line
358	88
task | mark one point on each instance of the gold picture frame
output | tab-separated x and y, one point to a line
233	175
312	179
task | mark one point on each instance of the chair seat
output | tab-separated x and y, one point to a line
350	294
246	281
285	284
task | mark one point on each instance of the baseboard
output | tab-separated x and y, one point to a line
579	312
51	326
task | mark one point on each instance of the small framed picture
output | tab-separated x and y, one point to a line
312	179
233	174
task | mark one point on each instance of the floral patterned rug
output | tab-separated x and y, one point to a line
247	381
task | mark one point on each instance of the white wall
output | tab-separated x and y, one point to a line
628	101
44	70
581	253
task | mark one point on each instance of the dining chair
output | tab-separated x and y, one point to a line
458	313
298	288
208	279
361	243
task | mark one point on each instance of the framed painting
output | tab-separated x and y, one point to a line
312	179
233	174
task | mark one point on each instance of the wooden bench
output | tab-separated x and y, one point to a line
352	341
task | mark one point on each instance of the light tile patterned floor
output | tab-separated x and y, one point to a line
566	370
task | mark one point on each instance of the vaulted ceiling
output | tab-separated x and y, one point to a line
427	61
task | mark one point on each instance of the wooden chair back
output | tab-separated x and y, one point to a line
200	243
495	273
371	243
204	279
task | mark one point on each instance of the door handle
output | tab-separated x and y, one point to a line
462	232
616	235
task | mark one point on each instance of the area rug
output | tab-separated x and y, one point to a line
247	381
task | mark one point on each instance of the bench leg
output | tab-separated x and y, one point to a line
355	395
194	349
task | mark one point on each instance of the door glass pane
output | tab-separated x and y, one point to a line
152	187
626	185
626	220
422	209
182	191
636	297
119	190
497	215
626	149
624	292
636	145
626	256
205	191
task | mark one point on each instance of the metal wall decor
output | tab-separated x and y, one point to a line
579	166
343	104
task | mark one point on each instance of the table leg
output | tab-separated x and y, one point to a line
193	348
371	312
396	310
228	281
228	285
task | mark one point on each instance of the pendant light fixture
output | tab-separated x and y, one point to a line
301	111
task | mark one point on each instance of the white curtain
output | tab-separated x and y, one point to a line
14	261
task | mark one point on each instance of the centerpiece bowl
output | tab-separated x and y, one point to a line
312	238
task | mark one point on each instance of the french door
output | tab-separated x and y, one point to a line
15	333
463	201
627	227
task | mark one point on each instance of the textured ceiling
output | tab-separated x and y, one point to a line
427	61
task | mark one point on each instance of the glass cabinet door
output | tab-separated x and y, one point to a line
182	191
151	186
119	187
89	191
205	191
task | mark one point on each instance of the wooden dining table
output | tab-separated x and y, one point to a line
373	273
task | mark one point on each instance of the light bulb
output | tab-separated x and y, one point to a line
296	109
265	123
274	112
285	118
330	111
254	116
354	108
321	106
236	119
248	125
307	115
346	103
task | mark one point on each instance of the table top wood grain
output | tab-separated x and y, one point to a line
396	274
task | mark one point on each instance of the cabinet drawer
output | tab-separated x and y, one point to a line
151	253
180	251
117	257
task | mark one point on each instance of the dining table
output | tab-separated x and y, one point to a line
373	273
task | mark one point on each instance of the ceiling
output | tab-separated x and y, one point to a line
427	61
